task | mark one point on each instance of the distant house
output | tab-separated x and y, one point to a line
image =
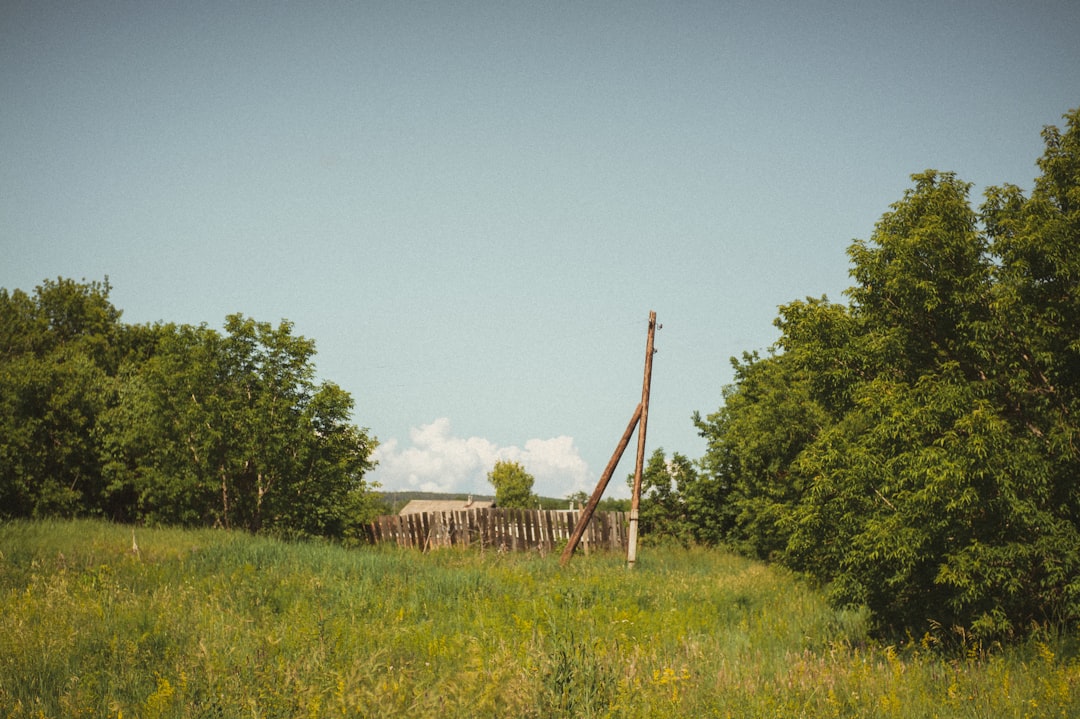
424	506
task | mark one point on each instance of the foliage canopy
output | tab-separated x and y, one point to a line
513	485
169	423
917	448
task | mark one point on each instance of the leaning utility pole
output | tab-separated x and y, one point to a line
635	500
637	421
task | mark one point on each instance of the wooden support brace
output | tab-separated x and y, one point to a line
590	507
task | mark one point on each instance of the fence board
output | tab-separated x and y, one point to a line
531	541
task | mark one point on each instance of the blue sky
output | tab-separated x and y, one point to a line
472	207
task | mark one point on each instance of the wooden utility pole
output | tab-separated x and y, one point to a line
635	500
590	507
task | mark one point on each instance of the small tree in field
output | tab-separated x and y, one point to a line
513	485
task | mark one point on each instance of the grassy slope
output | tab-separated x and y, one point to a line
213	624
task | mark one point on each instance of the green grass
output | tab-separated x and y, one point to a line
216	624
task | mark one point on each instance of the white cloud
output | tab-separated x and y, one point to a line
437	461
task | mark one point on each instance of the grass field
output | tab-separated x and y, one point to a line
216	624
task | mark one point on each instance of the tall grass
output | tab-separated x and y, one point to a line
215	624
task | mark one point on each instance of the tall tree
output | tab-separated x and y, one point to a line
918	449
167	437
922	282
57	349
232	430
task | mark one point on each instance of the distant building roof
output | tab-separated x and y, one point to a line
422	506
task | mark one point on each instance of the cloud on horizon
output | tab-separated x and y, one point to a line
437	461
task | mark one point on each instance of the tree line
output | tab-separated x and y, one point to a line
916	448
171	423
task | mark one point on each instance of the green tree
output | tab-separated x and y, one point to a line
329	495
232	430
922	282
662	512
917	449
769	416
882	486
168	423
167	437
58	347
513	485
578	499
606	504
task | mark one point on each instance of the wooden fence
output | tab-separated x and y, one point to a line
498	529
